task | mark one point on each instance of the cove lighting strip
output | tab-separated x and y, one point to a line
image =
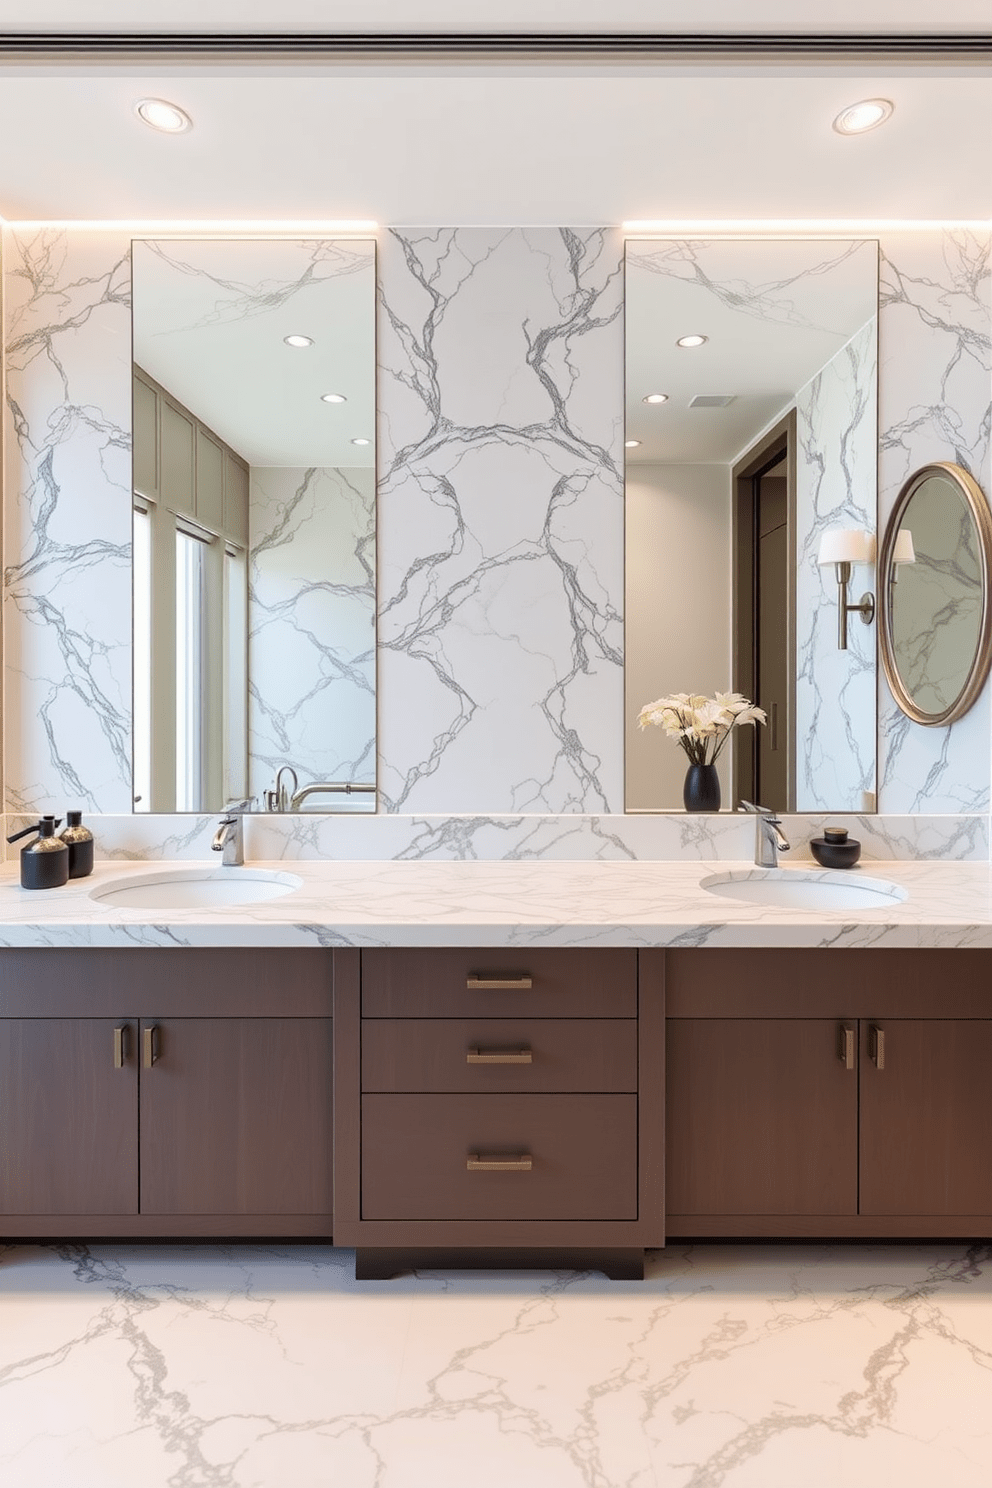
806	225
305	226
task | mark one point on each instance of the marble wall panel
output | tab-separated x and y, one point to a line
311	618
935	381
67	521
836	432
501	520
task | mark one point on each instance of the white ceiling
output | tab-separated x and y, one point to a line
526	140
774	313
209	320
494	16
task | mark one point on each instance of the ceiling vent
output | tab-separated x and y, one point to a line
712	400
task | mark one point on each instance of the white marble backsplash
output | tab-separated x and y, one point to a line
836	420
935	403
67	519
571	837
501	520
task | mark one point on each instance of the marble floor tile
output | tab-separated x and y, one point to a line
269	1366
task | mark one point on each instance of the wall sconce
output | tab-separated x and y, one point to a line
903	552
842	548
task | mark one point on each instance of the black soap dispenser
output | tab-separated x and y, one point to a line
79	840
45	861
835	849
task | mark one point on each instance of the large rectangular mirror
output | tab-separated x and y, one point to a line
751	429
254	524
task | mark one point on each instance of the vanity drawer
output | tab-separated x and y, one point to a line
497	1054
456	983
582	1151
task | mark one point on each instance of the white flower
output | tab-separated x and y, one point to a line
701	725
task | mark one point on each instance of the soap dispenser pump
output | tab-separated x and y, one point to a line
45	861
79	840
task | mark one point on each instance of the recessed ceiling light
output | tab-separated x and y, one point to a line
333	398
692	341
298	340
162	115
361	441
861	117
655	398
631	443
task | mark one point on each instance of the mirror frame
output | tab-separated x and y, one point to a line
974	497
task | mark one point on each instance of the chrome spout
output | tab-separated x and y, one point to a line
768	839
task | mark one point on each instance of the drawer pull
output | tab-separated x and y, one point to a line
120	1046
496	981
876	1046
521	1055
151	1045
847	1047
499	1162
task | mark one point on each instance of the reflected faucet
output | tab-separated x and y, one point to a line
229	837
768	840
280	796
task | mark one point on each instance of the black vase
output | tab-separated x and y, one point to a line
701	791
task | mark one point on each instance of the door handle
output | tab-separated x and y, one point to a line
150	1041
876	1046
499	1162
521	1055
495	981
847	1050
120	1045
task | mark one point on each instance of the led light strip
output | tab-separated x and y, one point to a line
805	225
305	226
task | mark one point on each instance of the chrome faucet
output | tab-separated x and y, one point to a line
280	795
229	837
768	840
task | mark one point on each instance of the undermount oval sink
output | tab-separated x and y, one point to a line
196	888
794	888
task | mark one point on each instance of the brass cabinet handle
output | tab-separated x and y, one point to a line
499	1162
521	1055
876	1046
120	1045
847	1047
150	1045
495	981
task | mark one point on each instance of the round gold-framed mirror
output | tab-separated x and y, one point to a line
935	620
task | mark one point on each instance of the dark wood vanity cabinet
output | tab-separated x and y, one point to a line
172	1101
498	1099
842	1093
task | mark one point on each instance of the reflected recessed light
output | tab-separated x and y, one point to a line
655	398
361	441
164	116
631	443
692	341
298	340
333	398
861	117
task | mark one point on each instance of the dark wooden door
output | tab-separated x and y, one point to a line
762	1118
236	1116
926	1117
68	1116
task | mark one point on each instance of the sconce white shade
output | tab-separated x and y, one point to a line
846	545
904	552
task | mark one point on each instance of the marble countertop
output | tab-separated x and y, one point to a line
504	904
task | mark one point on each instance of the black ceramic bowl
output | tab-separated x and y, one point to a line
835	849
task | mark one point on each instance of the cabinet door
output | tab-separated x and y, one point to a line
762	1117
236	1116
926	1117
68	1116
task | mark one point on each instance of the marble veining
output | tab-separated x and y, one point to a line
935	335
647	837
609	903
311	620
501	526
67	520
259	1366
